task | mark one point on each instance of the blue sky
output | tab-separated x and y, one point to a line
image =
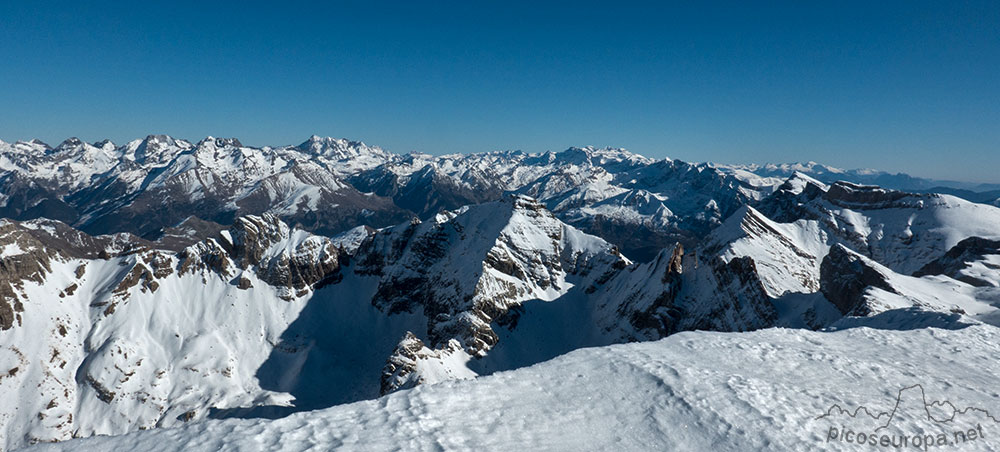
901	86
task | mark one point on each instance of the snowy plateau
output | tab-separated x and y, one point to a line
170	295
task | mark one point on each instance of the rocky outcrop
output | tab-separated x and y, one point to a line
206	255
662	315
28	250
403	367
188	232
281	257
250	238
957	261
788	201
666	296
846	275
850	195
22	258
741	304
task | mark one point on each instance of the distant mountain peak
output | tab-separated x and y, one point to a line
338	148
211	141
600	156
69	143
33	143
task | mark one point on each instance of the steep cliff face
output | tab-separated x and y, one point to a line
642	301
292	261
466	269
845	277
974	260
22	259
743	303
282	257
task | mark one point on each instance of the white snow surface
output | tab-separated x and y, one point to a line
762	390
195	339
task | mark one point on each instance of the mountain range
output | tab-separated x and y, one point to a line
162	282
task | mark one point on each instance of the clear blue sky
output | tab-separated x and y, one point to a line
901	86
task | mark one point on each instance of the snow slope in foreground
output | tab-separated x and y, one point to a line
762	390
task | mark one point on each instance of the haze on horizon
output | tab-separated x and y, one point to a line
898	86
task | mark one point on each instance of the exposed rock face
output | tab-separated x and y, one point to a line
743	303
714	287
660	316
675	265
207	254
847	194
465	269
253	236
302	261
787	202
403	367
22	258
846	275
28	249
962	260
290	259
188	232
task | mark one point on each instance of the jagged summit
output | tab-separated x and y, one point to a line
68	144
474	264
214	142
338	148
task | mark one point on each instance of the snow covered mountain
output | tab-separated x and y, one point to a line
149	185
163	282
146	186
140	337
108	338
828	174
